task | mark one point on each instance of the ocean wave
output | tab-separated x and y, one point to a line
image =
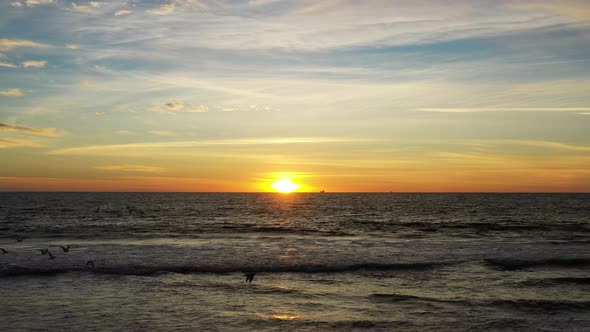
404	297
517	264
523	304
495	226
548	305
154	270
557	281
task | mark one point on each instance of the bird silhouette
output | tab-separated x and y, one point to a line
3	251
20	238
91	263
50	254
249	276
66	248
43	251
97	209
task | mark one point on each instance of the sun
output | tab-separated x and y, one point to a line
285	186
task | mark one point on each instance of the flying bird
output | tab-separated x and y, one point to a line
97	209
50	254
20	238
249	276
66	248
3	251
91	263
43	251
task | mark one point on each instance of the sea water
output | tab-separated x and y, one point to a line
330	262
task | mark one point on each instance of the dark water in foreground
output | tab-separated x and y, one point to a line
174	262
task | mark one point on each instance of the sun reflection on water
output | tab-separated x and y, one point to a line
278	316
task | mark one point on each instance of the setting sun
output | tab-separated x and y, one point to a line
285	186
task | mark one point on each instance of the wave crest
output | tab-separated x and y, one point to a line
152	270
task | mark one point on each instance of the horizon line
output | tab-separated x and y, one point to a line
303	192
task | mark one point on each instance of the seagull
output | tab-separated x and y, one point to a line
43	251
97	209
3	251
20	238
50	254
91	263
249	276
66	248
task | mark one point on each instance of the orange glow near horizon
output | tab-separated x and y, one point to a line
332	181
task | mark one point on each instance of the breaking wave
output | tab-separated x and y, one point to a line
153	270
517	264
522	304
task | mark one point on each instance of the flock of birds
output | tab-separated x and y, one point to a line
249	276
130	209
46	251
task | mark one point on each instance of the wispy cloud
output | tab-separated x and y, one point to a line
540	144
12	93
34	64
25	64
91	8
32	3
132	168
175	105
178	106
9	44
123	148
122	12
197	109
9	65
13	143
579	9
52	132
163	133
258	108
262	2
201	4
507	109
162	10
309	25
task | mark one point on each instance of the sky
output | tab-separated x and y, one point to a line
334	95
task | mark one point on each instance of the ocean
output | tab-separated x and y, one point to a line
329	262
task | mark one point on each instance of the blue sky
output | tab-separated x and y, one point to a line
347	95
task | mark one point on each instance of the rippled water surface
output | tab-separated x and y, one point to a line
175	262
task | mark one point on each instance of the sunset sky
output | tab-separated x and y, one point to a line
336	95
